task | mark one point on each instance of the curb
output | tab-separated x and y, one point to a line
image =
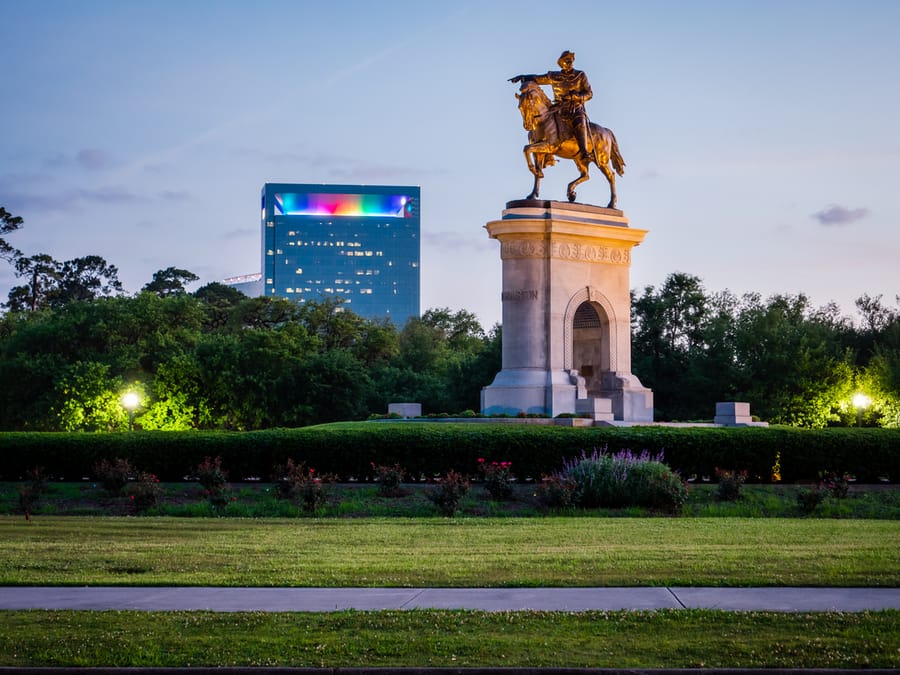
444	671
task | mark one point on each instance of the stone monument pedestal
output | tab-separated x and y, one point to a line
566	313
732	413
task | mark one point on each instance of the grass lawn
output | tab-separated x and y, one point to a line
360	539
401	552
662	639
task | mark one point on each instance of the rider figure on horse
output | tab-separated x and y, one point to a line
571	90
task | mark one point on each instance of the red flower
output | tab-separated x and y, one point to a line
481	460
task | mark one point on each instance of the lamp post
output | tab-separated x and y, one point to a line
130	401
860	402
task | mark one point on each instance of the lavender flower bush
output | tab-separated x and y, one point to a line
625	478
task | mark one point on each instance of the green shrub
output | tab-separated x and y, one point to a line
145	492
448	492
389	479
556	491
302	485
729	484
30	493
616	480
210	474
808	500
838	485
424	448
659	488
114	475
498	479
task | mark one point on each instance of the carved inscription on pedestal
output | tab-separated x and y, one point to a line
532	248
518	295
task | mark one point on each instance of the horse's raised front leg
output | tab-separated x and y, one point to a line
528	155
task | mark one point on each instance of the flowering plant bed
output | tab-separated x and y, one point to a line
257	499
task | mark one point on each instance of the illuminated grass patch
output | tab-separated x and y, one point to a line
480	552
662	639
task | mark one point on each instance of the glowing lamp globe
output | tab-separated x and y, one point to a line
130	400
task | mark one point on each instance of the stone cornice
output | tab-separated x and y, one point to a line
562	222
606	235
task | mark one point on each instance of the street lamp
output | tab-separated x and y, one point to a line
130	401
860	402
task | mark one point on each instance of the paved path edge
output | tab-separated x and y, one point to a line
442	671
219	599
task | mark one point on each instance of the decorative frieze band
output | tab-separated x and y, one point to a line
536	248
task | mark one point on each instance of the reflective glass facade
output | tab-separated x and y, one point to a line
356	242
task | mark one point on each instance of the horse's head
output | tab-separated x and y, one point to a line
533	104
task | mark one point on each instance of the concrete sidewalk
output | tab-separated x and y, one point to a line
487	599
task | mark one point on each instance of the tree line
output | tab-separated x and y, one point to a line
72	341
216	359
795	363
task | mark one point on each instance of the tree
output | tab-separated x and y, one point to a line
8	223
49	283
876	317
177	402
681	346
460	330
218	302
41	274
88	399
86	278
336	386
443	362
880	378
791	364
170	281
262	312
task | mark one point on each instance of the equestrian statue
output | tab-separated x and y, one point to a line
562	128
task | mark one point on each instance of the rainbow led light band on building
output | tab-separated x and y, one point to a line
313	204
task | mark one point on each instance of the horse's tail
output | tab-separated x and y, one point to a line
615	156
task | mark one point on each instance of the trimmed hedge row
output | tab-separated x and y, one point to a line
427	449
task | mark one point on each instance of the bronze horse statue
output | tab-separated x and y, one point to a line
549	135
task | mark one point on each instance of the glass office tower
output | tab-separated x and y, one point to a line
355	242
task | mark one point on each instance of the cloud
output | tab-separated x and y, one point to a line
337	167
56	161
174	195
840	215
27	203
373	173
160	168
241	233
11	182
110	194
68	201
92	159
453	241
284	156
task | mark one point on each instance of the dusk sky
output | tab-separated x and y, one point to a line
761	137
